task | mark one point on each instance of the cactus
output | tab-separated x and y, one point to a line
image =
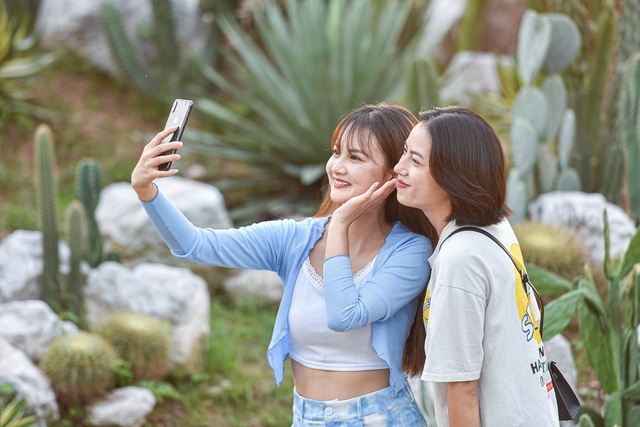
551	248
88	186
80	367
163	78
77	231
124	51
142	341
46	188
534	38
630	127
543	128
564	44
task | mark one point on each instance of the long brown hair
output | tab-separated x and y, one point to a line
387	127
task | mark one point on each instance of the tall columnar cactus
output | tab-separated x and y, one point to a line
46	189
77	232
164	76
88	187
612	152
630	129
543	127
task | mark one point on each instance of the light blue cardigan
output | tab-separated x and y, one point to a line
387	300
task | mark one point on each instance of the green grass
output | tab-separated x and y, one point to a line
236	386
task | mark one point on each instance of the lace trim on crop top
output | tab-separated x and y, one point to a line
316	346
318	283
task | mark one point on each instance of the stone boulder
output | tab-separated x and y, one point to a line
582	214
31	326
123	221
167	293
259	286
28	382
122	407
21	265
470	74
78	26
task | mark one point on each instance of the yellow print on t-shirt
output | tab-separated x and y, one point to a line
528	321
426	306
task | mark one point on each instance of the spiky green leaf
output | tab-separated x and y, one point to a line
631	256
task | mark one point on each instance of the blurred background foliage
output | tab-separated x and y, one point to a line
271	85
19	58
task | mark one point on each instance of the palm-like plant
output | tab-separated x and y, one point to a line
313	62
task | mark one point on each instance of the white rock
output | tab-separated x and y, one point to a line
124	407
31	325
164	292
582	214
21	265
78	25
256	285
123	221
28	382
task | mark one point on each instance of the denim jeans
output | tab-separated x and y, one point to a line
378	409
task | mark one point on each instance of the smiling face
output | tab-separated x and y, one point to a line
416	186
356	163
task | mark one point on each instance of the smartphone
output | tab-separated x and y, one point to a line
178	116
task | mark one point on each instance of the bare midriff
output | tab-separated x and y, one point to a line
319	384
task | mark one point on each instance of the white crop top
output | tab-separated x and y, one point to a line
316	346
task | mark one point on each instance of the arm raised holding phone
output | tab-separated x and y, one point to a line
159	154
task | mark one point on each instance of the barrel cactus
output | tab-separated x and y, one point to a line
141	340
80	367
551	248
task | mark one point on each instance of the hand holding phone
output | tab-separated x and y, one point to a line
178	116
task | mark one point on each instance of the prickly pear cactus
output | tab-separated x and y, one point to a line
141	340
542	127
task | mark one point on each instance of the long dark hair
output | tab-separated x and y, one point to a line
387	127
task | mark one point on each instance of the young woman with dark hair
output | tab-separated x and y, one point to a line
352	274
484	353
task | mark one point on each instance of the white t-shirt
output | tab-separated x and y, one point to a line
481	325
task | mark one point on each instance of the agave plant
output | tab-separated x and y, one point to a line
17	41
13	410
312	63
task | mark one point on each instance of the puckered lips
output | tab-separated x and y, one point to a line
401	184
